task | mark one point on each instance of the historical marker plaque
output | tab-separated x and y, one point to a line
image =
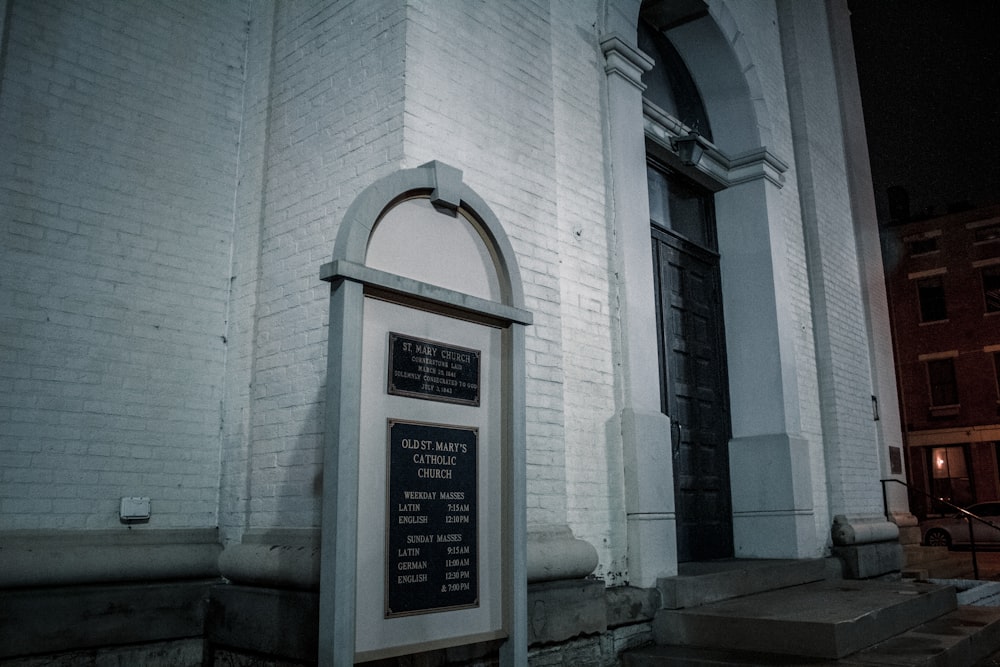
425	369
432	562
895	461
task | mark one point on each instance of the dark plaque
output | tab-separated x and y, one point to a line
431	561
424	369
895	461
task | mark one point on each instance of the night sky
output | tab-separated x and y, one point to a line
930	85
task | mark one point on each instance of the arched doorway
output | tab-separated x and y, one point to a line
771	496
690	330
689	314
692	363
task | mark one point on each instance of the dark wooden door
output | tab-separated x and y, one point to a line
693	375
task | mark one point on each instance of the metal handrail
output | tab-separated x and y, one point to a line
969	516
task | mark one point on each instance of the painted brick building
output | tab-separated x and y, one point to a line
174	175
943	282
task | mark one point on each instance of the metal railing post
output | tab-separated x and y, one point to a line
969	518
972	545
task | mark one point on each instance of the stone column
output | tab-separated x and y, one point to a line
649	496
848	359
888	427
771	468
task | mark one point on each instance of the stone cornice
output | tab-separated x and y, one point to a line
625	60
757	163
723	169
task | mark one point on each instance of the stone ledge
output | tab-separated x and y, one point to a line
279	558
283	623
290	557
58	558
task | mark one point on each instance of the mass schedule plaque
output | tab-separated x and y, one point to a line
431	518
425	369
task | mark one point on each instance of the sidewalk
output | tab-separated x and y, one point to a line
988	561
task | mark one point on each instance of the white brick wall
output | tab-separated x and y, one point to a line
845	384
479	97
595	493
172	179
334	126
117	136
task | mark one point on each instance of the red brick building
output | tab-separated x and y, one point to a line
943	279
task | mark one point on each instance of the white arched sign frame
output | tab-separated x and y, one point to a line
353	282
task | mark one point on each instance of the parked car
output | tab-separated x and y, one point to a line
954	529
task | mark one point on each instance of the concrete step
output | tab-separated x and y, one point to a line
826	619
964	637
946	569
686	656
703	583
915	555
936	563
951	569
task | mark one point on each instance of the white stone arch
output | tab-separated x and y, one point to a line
716	54
771	483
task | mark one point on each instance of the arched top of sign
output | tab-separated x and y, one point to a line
443	247
426	225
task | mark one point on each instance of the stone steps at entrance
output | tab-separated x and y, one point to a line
827	619
966	637
702	583
818	621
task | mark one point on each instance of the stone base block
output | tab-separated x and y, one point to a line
864	561
627	605
278	623
177	653
561	610
72	618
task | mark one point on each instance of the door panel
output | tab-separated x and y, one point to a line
693	375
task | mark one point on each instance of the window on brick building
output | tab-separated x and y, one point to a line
930	292
921	246
950	475
996	370
991	288
987	234
943	383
